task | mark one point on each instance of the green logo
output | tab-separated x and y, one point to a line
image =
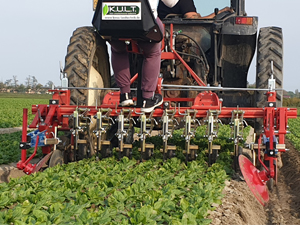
121	11
105	10
111	9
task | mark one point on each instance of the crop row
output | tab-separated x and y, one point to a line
10	151
9	148
294	136
112	192
11	110
121	192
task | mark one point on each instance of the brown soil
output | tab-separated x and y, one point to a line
10	130
9	171
239	206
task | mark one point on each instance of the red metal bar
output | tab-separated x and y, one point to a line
168	55
194	75
24	134
163	40
281	123
271	96
21	163
51	114
63	96
25	165
159	83
34	110
134	78
269	125
225	112
35	151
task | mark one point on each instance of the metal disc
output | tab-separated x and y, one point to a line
42	162
251	175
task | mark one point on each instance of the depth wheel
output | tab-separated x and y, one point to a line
127	152
57	157
86	150
127	140
192	156
82	152
106	152
147	154
170	154
212	158
270	184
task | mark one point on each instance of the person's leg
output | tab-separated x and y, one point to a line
151	65
151	68
120	65
150	73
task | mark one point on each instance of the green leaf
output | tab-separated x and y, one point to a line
26	208
105	10
189	219
184	204
168	205
4	200
84	216
105	217
41	216
18	222
17	213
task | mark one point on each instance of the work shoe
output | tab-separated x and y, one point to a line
151	103
126	99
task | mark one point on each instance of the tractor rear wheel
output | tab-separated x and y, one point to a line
87	65
269	48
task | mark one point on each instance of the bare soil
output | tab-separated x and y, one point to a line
10	130
9	171
239	206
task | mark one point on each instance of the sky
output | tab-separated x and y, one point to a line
35	34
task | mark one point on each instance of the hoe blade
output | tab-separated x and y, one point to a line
42	162
254	181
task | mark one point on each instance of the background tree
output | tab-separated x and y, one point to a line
15	81
8	83
28	82
39	88
34	82
21	88
2	85
297	95
49	84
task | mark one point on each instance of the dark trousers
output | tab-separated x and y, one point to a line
150	68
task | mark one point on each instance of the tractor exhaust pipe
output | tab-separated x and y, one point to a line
239	7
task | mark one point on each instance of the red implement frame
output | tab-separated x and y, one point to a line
49	117
57	116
